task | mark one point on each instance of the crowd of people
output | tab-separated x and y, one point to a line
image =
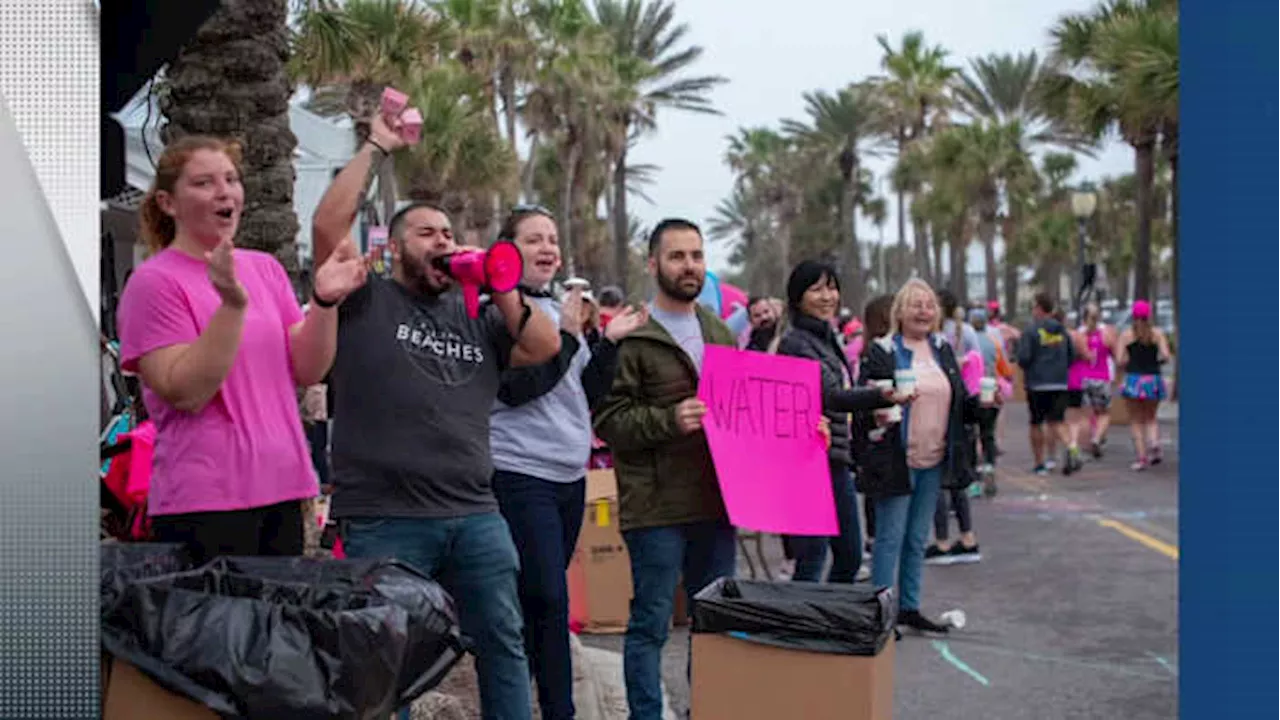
460	444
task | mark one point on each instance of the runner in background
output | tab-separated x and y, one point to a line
1143	350
1045	354
1008	336
1091	375
994	365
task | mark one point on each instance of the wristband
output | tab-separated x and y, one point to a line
320	302
376	146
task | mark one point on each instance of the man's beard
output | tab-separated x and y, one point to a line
671	286
415	271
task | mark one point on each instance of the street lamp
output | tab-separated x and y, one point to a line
1083	204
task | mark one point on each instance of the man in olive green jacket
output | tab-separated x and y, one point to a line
670	510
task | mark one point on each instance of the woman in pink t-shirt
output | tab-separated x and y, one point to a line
221	345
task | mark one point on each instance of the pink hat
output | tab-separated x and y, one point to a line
1141	310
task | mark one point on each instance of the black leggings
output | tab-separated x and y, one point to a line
987	433
948	500
270	530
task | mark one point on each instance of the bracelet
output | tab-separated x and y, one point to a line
320	302
378	147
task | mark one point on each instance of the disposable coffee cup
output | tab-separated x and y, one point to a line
905	380
988	390
890	414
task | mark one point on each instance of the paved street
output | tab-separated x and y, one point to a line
1071	614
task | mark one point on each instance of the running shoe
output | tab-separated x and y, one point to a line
934	555
1139	465
965	555
1157	455
914	620
1095	449
1050	464
1041	469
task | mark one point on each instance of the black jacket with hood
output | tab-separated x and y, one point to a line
814	339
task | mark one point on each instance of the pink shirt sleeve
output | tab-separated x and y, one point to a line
154	313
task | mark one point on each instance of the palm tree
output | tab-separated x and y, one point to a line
772	171
877	211
229	80
347	52
915	86
842	129
649	43
1107	57
1007	90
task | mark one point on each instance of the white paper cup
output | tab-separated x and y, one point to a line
905	381
890	414
988	390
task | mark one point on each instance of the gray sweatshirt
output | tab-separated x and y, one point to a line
548	437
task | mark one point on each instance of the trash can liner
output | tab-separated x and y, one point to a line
121	562
288	638
837	619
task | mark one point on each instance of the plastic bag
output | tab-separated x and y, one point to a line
838	619
288	638
122	562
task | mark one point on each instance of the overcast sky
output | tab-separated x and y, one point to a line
772	51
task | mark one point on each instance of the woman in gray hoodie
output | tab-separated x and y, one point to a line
540	437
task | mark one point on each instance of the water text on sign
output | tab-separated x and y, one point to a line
761	407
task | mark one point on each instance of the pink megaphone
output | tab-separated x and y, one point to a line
497	269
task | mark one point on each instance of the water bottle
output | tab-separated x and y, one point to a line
953	618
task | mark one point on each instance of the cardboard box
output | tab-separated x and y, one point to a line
745	680
599	575
131	695
600	571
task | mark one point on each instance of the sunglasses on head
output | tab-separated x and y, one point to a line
531	208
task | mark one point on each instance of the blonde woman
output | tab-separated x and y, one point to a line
905	463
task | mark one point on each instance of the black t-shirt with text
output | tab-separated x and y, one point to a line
415	379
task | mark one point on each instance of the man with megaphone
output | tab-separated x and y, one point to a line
416	374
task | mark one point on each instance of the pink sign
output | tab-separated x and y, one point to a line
762	427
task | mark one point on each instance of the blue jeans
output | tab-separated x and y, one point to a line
902	531
846	548
545	518
703	552
475	561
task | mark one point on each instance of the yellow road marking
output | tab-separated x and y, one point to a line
1164	548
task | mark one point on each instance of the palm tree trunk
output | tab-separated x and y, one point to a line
1144	169
923	266
530	165
987	234
568	165
959	262
900	273
215	87
621	240
1009	233
851	260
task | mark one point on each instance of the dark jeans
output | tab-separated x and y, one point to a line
869	515
318	439
846	548
702	553
948	501
545	518
273	530
987	433
474	559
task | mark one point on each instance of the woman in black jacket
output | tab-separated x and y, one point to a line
813	299
905	462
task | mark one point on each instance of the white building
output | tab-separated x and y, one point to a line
324	147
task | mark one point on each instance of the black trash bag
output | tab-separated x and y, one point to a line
121	562
837	619
289	638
